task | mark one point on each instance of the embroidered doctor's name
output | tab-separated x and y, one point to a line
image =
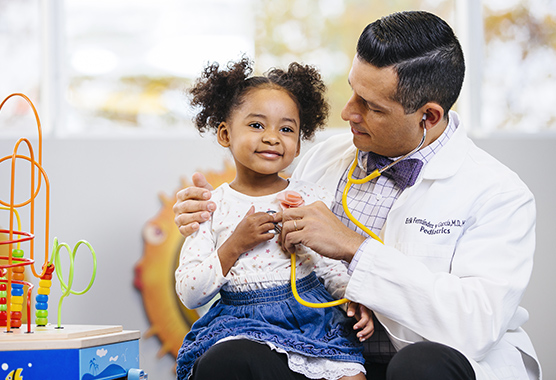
430	228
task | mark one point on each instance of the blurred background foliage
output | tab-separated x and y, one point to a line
326	35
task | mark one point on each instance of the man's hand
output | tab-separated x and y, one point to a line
316	227
364	320
193	206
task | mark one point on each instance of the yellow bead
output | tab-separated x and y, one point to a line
17	300
45	283
43	291
17	307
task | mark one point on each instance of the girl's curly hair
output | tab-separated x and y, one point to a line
216	93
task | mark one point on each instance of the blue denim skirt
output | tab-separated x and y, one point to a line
273	315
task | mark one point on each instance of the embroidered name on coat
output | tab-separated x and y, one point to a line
431	228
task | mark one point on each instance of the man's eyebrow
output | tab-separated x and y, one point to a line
370	103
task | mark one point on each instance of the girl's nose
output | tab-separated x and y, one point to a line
271	137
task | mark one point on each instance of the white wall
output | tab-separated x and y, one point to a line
104	191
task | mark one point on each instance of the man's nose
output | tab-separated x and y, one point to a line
351	112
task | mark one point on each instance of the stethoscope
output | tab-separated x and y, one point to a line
351	181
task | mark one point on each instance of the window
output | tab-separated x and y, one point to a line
122	66
20	49
519	68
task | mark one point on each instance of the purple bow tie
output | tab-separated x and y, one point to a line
404	173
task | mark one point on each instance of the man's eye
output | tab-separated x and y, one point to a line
370	108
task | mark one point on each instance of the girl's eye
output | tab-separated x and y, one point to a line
287	129
256	125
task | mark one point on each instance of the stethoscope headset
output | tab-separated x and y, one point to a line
350	182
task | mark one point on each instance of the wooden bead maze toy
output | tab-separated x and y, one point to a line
12	269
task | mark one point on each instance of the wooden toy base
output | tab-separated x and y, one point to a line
73	352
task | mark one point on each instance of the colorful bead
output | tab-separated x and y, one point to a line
43	291
41	313
16	307
41	321
17	253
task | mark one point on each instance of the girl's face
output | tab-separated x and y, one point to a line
263	132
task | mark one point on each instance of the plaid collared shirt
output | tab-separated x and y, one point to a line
370	203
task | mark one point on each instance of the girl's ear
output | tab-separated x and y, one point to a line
298	147
223	135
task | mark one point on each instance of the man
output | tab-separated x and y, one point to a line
458	231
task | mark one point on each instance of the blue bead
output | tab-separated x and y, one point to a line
41	306
41	298
17	292
17	286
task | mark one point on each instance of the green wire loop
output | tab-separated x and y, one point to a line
66	288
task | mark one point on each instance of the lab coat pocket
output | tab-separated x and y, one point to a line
437	257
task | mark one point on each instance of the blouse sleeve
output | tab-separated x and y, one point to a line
199	274
334	274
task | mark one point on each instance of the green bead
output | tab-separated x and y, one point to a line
3	293
41	313
41	321
3	307
17	253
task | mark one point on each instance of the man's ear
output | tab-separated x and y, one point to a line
434	114
223	135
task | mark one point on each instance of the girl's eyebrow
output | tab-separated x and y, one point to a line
262	116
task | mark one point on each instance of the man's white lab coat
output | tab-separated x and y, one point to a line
457	255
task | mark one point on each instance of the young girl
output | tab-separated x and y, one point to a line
262	119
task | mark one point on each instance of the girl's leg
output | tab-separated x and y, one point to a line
243	360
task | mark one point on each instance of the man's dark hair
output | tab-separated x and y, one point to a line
425	53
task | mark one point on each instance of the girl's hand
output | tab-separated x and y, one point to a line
251	231
364	318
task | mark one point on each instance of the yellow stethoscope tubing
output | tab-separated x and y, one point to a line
351	181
